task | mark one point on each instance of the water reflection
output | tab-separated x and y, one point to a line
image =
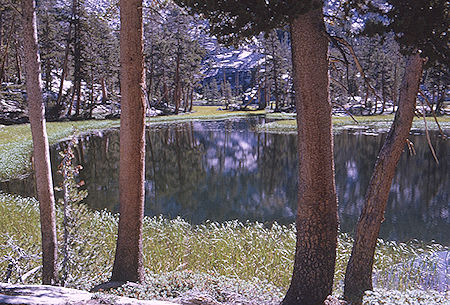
223	170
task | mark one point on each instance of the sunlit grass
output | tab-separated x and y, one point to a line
376	123
16	143
178	255
205	113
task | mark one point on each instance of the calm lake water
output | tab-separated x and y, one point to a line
225	170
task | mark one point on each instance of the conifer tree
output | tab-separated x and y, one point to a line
128	265
421	29
234	21
41	152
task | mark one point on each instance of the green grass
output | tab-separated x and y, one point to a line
250	259
205	113
16	143
376	123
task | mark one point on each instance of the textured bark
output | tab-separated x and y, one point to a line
358	277
40	143
316	221
128	259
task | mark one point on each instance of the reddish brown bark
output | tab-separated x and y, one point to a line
316	221
358	277
40	143
128	259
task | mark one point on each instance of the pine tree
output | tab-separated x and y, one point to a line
418	25
233	22
41	153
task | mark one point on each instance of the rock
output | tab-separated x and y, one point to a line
12	112
43	294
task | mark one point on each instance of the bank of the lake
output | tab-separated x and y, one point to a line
16	143
222	262
374	124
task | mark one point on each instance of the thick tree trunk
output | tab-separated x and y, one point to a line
358	277
40	143
312	279
128	260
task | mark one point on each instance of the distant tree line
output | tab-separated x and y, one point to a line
79	47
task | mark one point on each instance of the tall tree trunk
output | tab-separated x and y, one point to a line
395	89
165	95
92	95
191	99
40	143
186	98
5	52
150	78
176	95
66	57
383	92
104	90
316	220
275	76
358	277
78	96
128	260
18	63
1	29
77	59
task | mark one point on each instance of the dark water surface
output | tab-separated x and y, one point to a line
224	170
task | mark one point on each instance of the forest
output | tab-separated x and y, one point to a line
224	152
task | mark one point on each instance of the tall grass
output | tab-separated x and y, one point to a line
186	256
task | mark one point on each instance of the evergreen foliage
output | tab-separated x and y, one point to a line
418	25
235	21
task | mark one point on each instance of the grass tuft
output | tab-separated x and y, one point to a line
219	261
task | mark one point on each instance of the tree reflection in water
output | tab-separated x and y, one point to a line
223	170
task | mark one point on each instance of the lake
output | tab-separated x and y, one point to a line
225	170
